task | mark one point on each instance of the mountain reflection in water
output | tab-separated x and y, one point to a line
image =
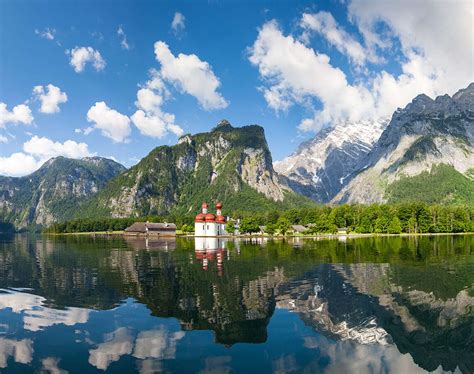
84	304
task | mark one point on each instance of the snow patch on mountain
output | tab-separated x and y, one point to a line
323	165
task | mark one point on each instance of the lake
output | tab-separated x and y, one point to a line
81	304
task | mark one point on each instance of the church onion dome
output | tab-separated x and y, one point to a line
220	219
210	217
204	205
200	217
219	206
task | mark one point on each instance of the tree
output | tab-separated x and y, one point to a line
249	226
283	225
381	224
365	225
230	227
187	228
270	229
395	227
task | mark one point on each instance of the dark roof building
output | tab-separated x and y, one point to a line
154	229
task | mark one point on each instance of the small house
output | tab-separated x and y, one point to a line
342	230
298	229
151	229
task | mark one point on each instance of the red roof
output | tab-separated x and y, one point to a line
210	217
220	219
200	217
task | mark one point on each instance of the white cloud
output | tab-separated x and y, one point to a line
149	125
19	114
436	59
430	40
150	119
294	73
112	124
47	33
82	55
18	164
177	25
3	139
44	148
37	151
51	99
325	24
123	38
191	75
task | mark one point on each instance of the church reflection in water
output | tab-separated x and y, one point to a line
209	250
368	305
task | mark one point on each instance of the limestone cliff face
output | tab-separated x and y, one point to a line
420	138
228	164
55	191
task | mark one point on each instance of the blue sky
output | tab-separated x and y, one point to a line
292	67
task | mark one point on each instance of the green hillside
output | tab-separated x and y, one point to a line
442	185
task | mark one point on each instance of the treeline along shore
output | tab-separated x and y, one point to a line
411	218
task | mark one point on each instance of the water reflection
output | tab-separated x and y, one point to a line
365	305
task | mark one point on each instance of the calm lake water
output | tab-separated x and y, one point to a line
367	305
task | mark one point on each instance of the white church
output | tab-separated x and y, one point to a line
208	224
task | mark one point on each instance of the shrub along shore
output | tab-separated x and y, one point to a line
409	218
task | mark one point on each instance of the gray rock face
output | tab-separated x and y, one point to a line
321	167
54	191
425	133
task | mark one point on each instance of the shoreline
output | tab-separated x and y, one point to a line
250	236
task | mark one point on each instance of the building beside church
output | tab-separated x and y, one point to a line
208	224
151	229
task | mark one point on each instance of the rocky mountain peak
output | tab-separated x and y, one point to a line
223	125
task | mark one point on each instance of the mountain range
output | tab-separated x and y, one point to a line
425	152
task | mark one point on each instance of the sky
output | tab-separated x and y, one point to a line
118	78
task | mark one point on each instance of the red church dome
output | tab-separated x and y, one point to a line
204	205
219	206
210	217
200	217
220	219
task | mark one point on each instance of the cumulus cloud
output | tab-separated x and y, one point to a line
325	24
44	148
123	38
37	151
80	56
19	114
47	33
435	59
434	43
177	25
3	139
295	73
113	125
50	97
189	74
150	118
18	164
